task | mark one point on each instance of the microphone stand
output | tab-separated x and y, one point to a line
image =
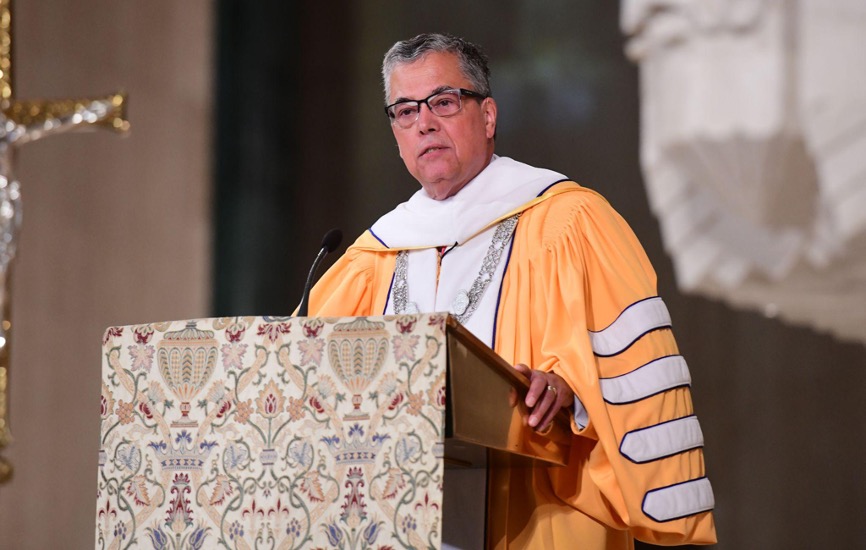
330	242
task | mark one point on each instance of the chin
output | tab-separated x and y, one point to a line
436	195
434	185
437	191
442	191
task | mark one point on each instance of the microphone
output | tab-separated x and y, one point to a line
330	242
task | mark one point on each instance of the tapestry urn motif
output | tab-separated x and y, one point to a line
357	351
186	361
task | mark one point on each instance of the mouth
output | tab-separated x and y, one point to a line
431	149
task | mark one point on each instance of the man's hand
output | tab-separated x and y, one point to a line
548	393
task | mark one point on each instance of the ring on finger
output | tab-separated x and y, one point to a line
551	388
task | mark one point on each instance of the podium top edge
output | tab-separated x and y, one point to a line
275	319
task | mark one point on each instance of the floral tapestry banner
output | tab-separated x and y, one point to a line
273	432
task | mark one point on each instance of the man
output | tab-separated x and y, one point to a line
546	273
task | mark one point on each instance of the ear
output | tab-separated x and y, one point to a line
488	109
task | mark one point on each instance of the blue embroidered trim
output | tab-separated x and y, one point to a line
499	295
378	239
543	191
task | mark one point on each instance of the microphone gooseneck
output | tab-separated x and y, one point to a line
330	242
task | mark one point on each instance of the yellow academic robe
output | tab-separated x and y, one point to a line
575	267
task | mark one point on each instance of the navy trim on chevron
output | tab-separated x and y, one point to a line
636	320
662	440
657	376
679	500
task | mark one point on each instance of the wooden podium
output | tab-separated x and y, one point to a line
282	432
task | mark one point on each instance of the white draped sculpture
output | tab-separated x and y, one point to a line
753	147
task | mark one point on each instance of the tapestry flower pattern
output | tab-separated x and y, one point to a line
272	432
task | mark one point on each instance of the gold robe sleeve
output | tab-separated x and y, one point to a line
576	269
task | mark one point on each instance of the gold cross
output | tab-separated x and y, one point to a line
22	122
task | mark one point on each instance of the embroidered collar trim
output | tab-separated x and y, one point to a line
466	302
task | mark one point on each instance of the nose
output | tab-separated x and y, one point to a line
427	121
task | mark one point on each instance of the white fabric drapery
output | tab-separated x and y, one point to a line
753	148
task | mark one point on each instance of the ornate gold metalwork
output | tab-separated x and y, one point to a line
22	122
34	113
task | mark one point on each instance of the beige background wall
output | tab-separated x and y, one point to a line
116	231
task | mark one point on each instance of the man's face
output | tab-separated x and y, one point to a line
442	153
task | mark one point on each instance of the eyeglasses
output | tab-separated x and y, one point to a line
445	103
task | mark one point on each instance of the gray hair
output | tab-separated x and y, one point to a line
472	59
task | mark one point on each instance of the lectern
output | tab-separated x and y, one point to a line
280	432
